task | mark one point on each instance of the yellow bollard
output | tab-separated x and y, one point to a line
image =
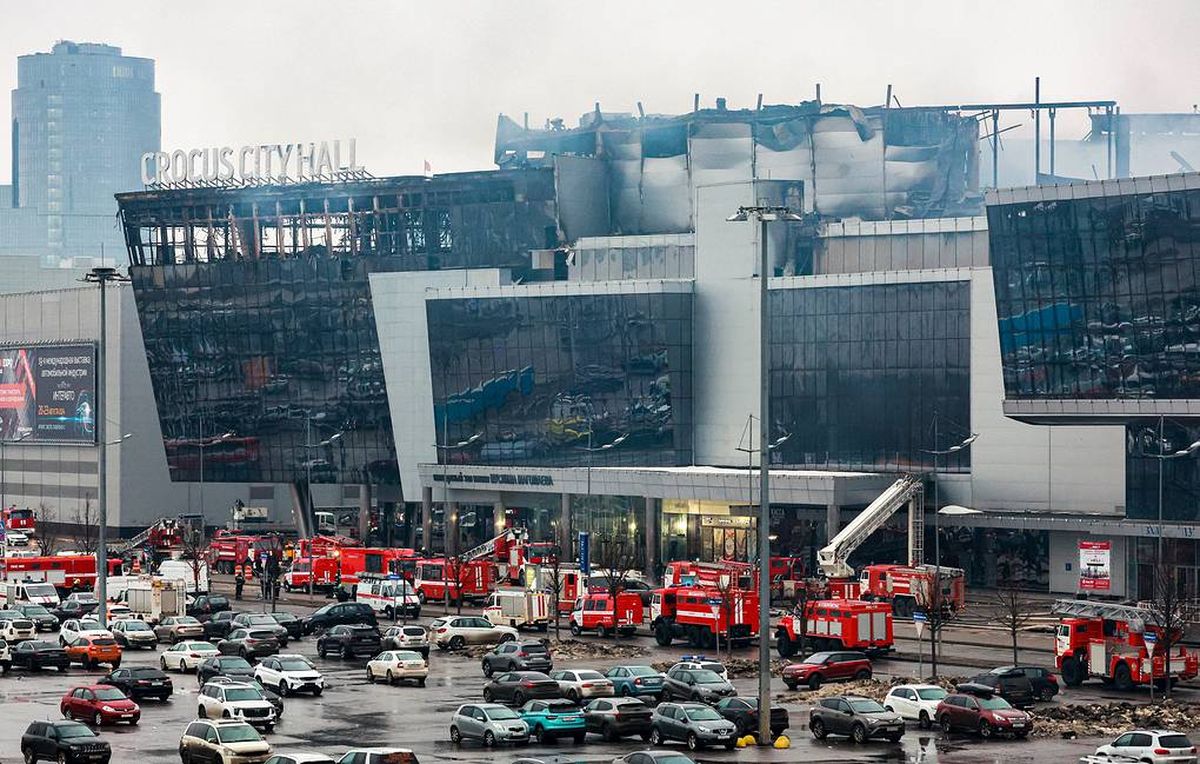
741	741
783	742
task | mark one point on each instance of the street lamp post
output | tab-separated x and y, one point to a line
312	509
1162	457
3	465
764	215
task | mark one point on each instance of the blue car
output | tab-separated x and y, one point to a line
549	720
636	681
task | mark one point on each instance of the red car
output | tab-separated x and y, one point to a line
831	666
99	704
989	716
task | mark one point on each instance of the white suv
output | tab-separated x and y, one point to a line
1153	746
915	702
289	673
454	632
240	701
407	637
17	629
223	740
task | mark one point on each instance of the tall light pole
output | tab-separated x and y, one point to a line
312	508
101	276
3	464
1162	457
764	215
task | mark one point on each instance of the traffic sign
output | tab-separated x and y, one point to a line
1149	637
919	616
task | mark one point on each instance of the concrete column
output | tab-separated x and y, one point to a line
833	521
651	523
564	527
498	518
426	520
451	529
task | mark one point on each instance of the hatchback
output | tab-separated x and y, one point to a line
490	723
1153	746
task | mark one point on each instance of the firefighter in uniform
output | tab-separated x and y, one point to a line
239	580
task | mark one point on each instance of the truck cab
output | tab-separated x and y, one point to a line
606	614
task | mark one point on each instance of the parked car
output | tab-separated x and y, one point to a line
262	622
135	634
988	716
615	718
15	627
1043	683
300	758
290	673
915	702
86	601
206	606
99	704
454	632
220	740
291	622
407	637
490	723
272	697
646	757
63	741
118	611
175	628
1013	687
140	682
578	684
859	719
219	625
69	608
698	685
703	662
37	654
518	655
696	724
89	651
397	666
43	619
832	666
5	656
233	666
349	640
378	756
249	643
636	681
517	687
743	712
339	614
549	720
78	627
241	701
1153	746
186	656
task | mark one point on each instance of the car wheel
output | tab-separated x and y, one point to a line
62	757
789	685
604	632
924	722
284	690
863	675
656	738
487	668
29	755
97	719
625	691
818	729
985	729
455	735
162	663
693	742
858	733
391	679
320	650
575	630
539	734
421	682
518	699
573	696
609	733
1047	694
457	642
487	695
317	692
814	682
507	638
202	712
489	739
347	653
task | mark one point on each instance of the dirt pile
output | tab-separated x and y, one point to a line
570	649
737	668
867	688
1105	719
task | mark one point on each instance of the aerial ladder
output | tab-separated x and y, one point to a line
909	489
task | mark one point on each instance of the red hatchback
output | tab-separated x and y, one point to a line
99	704
830	666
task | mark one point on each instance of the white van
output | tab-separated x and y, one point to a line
388	595
182	570
31	593
518	608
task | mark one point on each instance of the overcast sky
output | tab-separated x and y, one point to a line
416	80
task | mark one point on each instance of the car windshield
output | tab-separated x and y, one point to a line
43	645
104	642
136	626
702	714
151	673
260	634
641	671
197	647
242	693
260	620
41	590
284	617
84	599
931	693
533	647
35	610
408	655
1174	741
295	664
110	693
706	677
717	667
235	663
237	733
70	730
186	620
501	714
439	623
590	674
866	706
673	758
993	704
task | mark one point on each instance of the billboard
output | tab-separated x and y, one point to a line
48	393
1095	565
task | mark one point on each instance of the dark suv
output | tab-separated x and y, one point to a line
219	625
1013	686
859	719
339	613
987	716
349	641
63	741
1043	683
208	605
524	655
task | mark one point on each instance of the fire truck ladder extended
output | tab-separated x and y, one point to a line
488	548
832	559
1136	617
141	538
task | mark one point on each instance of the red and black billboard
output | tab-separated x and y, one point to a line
48	393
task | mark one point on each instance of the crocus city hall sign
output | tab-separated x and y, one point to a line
272	163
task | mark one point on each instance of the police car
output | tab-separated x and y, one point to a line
697	662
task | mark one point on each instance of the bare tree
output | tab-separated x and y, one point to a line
805	593
1168	617
46	531
87	531
1014	611
727	589
193	544
555	587
939	613
616	558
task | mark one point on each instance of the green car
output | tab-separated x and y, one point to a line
550	719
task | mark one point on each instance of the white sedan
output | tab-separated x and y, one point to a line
186	656
915	702
289	673
584	683
398	665
74	628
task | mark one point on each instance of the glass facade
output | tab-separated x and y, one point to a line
1180	475
281	356
860	374
1099	297
564	380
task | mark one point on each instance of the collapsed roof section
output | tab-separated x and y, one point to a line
871	164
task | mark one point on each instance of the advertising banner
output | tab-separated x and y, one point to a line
48	393
1095	565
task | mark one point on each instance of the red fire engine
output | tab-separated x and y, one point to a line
904	585
692	573
436	580
323	546
65	571
838	624
1121	644
357	559
228	548
326	574
703	615
599	611
571	583
22	520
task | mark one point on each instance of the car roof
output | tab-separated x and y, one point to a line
917	687
290	656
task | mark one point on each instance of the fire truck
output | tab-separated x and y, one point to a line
572	584
436	580
22	520
325	570
838	624
693	573
906	585
384	560
228	548
65	571
703	615
510	552
1109	641
601	612
323	546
